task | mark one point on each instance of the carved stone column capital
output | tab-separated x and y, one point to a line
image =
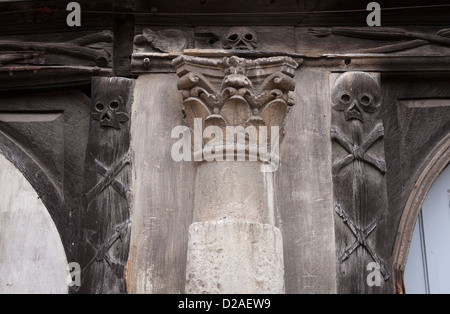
214	89
236	92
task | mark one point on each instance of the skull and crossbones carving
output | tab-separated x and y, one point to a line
356	94
356	97
358	152
240	38
110	113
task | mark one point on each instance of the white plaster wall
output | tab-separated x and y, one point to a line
32	257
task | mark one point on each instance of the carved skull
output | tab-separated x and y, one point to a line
357	94
110	113
240	38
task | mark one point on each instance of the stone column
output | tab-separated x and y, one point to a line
235	109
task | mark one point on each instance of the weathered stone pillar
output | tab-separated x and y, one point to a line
235	109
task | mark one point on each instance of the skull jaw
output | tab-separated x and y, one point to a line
108	120
353	114
239	46
243	45
109	123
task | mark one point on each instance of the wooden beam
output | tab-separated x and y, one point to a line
123	37
105	218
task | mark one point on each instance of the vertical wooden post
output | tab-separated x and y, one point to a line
105	221
123	37
360	197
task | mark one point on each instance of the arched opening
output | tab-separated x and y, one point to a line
426	269
411	232
32	257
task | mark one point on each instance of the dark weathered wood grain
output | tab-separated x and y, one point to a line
359	185
105	217
304	189
123	37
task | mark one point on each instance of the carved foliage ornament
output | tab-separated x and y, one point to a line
248	93
233	86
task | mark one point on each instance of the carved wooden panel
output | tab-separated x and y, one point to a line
105	217
359	167
404	41
52	59
260	38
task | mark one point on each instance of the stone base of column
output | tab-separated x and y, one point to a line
234	257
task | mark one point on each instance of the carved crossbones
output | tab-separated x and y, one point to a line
358	152
361	240
117	185
109	178
101	252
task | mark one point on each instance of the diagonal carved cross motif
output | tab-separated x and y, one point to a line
109	178
118	186
101	252
358	152
361	235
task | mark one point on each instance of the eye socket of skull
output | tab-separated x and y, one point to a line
341	101
233	37
367	102
244	37
114	105
345	98
249	37
99	107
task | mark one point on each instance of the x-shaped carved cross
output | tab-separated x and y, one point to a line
109	178
361	235
101	252
358	152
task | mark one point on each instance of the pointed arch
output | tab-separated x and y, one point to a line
433	166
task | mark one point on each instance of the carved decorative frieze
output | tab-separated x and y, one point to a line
164	40
26	63
405	39
235	91
360	198
57	53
